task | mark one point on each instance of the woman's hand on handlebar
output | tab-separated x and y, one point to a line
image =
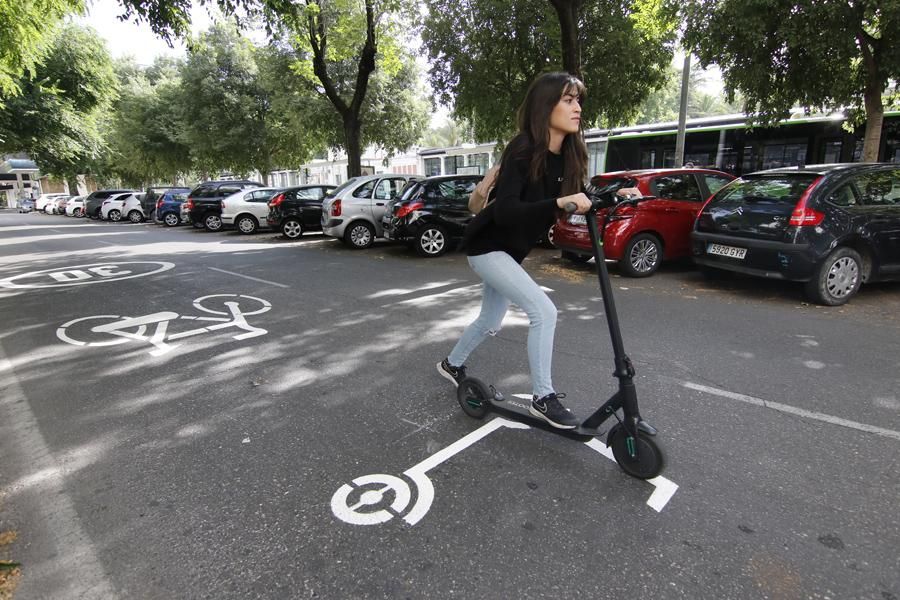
581	202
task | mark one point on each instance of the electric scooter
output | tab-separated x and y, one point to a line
630	438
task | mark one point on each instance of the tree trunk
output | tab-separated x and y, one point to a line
874	122
567	13
352	141
874	105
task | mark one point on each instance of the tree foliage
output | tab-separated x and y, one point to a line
819	55
26	33
485	53
663	104
58	116
353	54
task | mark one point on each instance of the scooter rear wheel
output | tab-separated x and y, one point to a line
473	396
647	460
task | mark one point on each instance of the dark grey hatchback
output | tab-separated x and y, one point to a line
830	226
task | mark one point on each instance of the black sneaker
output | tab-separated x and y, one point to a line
454	374
551	410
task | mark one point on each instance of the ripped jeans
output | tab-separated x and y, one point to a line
506	281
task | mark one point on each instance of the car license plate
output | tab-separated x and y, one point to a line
729	251
577	220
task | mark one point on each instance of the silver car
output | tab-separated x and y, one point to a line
352	212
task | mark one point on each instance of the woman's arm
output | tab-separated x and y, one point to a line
509	209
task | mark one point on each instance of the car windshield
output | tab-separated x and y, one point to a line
779	189
342	187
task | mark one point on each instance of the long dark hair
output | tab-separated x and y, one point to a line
533	139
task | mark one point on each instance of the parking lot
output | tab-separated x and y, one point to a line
189	414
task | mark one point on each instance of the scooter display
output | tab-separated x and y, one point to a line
630	438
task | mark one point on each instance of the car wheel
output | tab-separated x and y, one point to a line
212	222
247	225
171	219
431	242
546	240
114	215
78	213
359	235
837	278
574	257
642	256
135	216
292	229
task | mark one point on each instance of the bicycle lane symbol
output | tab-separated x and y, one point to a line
121	329
378	498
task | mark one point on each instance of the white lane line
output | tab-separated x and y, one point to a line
66	562
793	410
281	285
107	243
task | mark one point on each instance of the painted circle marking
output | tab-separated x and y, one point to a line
85	274
352	513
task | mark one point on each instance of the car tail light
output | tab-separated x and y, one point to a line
159	204
222	204
276	201
189	204
803	216
336	208
405	209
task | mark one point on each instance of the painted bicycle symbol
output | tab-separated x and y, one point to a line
110	330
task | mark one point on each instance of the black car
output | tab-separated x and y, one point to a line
431	213
95	200
295	210
204	203
830	226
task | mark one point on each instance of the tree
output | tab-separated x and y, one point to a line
353	51
26	33
485	53
239	105
57	118
452	133
820	55
145	133
662	105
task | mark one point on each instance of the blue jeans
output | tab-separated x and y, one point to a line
506	281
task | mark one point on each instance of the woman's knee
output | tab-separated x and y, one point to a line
544	311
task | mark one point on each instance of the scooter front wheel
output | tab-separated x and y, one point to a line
638	456
473	396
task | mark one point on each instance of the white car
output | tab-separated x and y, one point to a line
40	205
75	207
111	209
58	206
247	209
132	208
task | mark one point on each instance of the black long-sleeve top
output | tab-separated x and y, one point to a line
522	210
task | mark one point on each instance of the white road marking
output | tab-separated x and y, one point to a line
793	410
69	565
107	243
281	285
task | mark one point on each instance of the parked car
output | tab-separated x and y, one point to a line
133	208
352	212
152	196
296	210
111	209
431	214
95	200
57	206
168	207
204	207
832	227
40	204
641	234
246	209
26	205
75	207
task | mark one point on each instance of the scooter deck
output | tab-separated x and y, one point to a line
518	410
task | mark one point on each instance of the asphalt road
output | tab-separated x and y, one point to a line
267	397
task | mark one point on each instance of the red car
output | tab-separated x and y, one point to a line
642	234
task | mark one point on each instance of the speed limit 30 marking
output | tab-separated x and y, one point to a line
85	274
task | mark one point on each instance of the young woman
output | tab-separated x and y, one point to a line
542	169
